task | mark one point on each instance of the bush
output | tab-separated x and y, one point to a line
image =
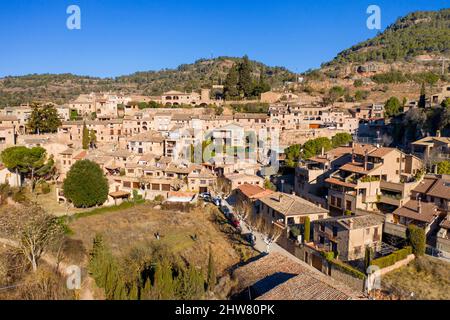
86	185
45	188
417	239
159	198
395	256
329	256
295	232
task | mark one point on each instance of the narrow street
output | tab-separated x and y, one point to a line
260	242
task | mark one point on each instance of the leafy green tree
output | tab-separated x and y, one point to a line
211	279
86	137
443	167
314	147
361	95
261	86
335	93
269	185
32	163
231	89
358	83
245	77
445	103
307	230
341	139
392	107
43	119
417	239
292	155
85	185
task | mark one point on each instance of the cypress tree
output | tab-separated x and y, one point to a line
211	277
422	99
368	257
86	138
307	233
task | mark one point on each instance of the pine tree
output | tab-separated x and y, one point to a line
86	137
211	277
231	90
245	77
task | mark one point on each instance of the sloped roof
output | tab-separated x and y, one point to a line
428	211
273	277
291	205
252	191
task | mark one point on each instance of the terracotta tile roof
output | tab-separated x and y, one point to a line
290	205
304	287
149	136
381	152
355	222
252	191
81	155
410	210
440	189
354	167
274	277
68	151
340	183
425	185
360	149
446	223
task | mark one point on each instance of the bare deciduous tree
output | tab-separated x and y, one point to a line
35	231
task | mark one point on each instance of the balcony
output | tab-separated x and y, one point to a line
392	199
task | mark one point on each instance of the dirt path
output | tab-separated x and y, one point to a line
86	285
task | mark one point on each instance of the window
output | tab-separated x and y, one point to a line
335	231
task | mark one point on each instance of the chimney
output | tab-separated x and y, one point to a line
350	223
438	133
323	151
419	206
366	159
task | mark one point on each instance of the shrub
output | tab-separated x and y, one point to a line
295	232
344	267
159	198
416	237
85	185
395	256
45	188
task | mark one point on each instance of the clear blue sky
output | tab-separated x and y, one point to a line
121	37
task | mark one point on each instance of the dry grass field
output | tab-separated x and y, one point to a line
189	235
428	278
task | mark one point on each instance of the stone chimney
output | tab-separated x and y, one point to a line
350	223
366	159
419	206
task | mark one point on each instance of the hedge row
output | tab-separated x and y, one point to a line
391	259
329	256
348	269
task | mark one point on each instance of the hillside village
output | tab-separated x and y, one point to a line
313	188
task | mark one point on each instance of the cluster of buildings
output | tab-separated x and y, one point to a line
355	196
